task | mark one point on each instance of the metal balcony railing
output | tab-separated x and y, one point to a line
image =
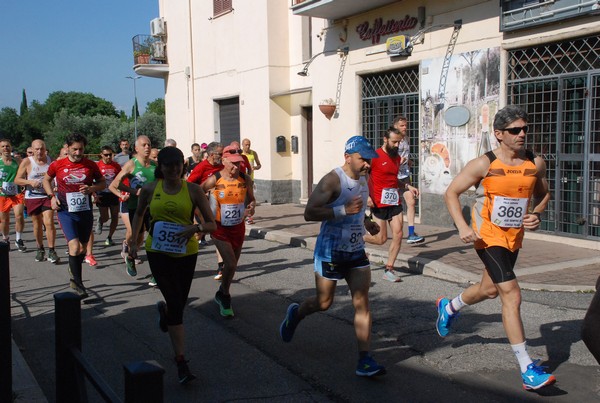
148	49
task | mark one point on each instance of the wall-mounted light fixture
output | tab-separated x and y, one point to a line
341	51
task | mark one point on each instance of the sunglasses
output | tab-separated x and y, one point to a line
516	130
234	151
107	155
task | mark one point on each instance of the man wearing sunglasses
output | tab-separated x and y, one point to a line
512	193
107	201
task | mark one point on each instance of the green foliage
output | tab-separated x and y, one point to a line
78	103
157	106
9	124
23	109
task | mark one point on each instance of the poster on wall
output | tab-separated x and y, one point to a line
459	100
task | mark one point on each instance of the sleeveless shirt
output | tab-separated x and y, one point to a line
37	172
227	200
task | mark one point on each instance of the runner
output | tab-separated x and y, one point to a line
140	171
227	200
193	160
125	155
171	248
340	201
11	196
76	179
31	175
106	200
512	193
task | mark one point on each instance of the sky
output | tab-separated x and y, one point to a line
74	45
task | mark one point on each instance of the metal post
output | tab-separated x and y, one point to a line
143	382
70	386
5	329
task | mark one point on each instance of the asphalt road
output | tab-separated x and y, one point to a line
243	359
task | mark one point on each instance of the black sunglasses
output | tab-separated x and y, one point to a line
234	151
516	130
107	155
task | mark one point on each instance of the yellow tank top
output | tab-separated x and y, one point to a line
503	198
227	200
166	210
251	159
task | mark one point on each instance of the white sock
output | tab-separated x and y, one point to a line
455	305
522	355
18	236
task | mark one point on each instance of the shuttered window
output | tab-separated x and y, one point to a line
222	7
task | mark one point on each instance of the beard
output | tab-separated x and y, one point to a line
391	150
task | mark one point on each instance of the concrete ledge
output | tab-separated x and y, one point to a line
25	386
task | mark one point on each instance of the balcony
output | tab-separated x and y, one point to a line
150	56
336	9
519	14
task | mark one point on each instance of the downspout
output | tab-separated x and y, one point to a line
190	74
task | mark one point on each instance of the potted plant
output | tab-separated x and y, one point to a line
141	53
327	107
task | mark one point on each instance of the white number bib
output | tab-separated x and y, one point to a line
165	240
390	196
9	188
77	201
509	211
352	238
232	214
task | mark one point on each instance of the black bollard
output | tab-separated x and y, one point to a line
5	327
70	386
143	382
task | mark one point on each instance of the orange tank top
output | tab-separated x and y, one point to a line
227	200
503	198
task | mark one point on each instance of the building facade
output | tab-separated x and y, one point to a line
300	77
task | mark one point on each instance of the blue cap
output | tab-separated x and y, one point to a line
359	144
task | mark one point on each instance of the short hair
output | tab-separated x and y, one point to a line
389	130
170	143
122	140
5	141
507	115
210	149
108	148
195	145
168	156
75	138
399	119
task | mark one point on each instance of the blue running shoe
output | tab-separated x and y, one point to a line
288	326
414	239
444	321
367	366
535	377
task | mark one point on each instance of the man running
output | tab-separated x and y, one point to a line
31	175
139	170
107	201
512	193
227	200
384	192
76	179
340	201
125	155
11	196
193	160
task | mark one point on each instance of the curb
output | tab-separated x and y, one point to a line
424	266
25	386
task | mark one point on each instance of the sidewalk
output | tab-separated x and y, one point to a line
542	265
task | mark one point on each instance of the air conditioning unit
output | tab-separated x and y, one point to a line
157	27
159	50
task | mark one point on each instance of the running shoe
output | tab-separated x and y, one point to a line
224	302
138	261
444	320
152	282
392	276
413	239
161	306
367	366
98	227
219	275
249	221
7	242
109	242
91	260
184	373
535	377
20	245
288	326
130	266
203	242
52	256
79	289
40	255
124	250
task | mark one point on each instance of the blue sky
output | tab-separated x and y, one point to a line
74	45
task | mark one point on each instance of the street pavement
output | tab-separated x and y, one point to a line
244	360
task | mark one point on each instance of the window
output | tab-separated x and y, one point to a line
222	7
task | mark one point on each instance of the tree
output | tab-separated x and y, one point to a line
80	104
135	110
9	125
157	106
23	109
